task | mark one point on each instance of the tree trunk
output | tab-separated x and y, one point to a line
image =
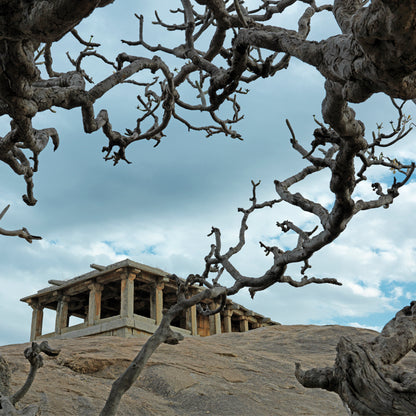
365	375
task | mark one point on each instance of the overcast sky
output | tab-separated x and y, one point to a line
159	209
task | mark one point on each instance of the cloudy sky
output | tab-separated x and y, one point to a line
159	209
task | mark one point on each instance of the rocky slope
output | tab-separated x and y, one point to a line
223	375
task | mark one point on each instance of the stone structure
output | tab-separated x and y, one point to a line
127	299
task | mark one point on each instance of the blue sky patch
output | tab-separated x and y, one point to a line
150	250
117	250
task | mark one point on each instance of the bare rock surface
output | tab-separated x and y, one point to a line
223	375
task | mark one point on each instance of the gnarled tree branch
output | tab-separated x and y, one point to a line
22	233
365	375
7	402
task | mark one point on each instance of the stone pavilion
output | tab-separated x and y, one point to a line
127	299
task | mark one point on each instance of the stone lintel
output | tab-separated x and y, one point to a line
97	267
57	282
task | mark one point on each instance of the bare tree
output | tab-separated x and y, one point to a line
8	401
365	375
22	233
375	52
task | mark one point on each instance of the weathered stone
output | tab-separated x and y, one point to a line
85	296
229	374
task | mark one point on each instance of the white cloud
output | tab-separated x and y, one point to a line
159	210
365	292
357	325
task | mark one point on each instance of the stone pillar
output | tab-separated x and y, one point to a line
227	320
37	321
61	314
191	322
243	324
127	295
94	303
156	303
86	310
215	322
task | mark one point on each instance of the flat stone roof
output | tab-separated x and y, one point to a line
95	273
102	270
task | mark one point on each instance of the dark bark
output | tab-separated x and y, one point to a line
33	355
44	21
163	334
7	402
376	52
4	377
366	375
